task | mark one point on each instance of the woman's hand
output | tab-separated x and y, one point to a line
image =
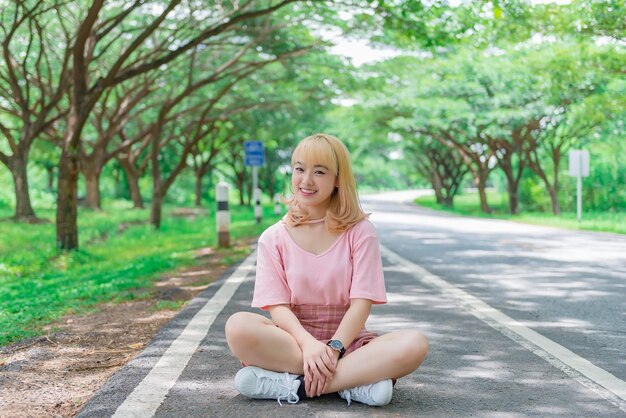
319	366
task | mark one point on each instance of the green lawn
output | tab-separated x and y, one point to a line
120	256
469	204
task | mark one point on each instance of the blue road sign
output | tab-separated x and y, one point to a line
254	153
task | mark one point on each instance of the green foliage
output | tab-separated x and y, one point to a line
545	97
468	204
121	257
168	305
532	194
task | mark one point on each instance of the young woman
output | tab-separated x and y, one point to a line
319	270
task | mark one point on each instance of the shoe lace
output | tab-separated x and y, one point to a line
276	388
358	392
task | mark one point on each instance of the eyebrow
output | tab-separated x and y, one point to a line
317	165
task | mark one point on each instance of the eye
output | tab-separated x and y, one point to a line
320	172
298	169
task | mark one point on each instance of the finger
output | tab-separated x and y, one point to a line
323	368
312	388
307	387
329	360
317	380
320	386
308	377
317	386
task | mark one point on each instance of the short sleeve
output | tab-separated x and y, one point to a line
270	285
368	281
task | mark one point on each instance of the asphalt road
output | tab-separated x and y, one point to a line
522	321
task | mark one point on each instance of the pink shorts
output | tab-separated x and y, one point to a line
322	321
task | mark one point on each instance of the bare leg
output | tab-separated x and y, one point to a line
257	341
389	356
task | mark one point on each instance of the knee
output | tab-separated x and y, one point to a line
414	349
237	328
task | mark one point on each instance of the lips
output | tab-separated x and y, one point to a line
306	192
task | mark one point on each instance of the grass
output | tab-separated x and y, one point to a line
120	256
168	304
469	205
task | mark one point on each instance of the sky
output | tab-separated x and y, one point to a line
360	51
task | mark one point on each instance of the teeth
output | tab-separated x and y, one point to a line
308	191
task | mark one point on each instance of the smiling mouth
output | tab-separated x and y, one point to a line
307	192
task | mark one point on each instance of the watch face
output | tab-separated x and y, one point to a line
336	344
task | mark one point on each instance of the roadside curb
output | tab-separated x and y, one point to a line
118	388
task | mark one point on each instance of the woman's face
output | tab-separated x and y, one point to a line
313	184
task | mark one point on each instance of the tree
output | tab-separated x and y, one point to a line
155	45
578	100
441	165
117	107
33	82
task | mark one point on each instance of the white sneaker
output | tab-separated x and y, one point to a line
257	383
375	394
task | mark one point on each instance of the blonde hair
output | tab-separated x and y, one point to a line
344	210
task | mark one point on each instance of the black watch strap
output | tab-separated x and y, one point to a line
337	346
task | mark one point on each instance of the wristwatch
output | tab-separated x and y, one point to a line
337	346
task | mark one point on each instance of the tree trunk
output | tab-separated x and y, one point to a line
513	202
67	213
553	191
132	177
50	171
481	181
484	206
198	190
200	174
512	189
438	195
436	183
241	193
23	208
156	208
117	183
271	189
249	191
92	182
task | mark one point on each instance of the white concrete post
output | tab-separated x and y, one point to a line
223	214
579	167
277	204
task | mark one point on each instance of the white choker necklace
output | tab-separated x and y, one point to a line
314	221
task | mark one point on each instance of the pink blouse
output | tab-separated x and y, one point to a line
350	269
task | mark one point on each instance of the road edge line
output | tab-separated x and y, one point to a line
583	371
149	394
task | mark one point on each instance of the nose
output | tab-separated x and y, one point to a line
307	177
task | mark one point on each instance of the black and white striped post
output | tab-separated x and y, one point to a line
223	214
277	204
258	211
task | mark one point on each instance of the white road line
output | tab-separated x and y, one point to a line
151	391
583	371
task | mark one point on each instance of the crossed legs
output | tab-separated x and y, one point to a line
257	341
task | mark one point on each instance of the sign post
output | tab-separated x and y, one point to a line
579	168
254	157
